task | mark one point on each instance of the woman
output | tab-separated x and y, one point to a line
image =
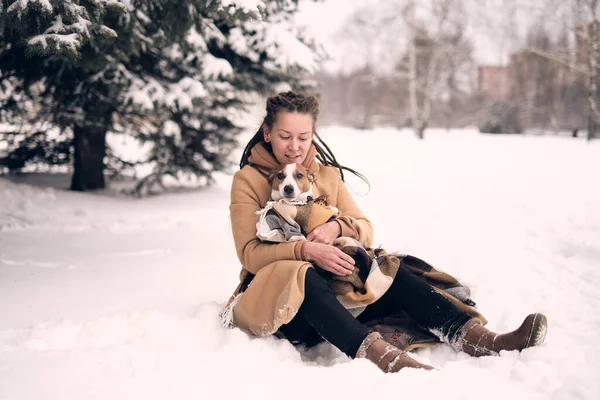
289	292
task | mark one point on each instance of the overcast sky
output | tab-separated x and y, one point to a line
492	26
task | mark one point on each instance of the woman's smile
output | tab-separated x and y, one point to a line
293	158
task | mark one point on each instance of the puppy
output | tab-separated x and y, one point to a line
291	182
292	198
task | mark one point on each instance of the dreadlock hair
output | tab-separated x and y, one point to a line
303	104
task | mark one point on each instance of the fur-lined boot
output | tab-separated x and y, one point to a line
477	340
387	357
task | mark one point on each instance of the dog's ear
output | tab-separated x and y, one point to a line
272	174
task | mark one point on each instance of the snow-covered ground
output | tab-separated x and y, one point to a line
104	297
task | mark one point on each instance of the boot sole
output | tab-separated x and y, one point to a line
539	327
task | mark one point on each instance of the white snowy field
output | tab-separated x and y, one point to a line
104	297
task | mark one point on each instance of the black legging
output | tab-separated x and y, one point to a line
322	316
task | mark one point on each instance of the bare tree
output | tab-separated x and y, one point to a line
581	19
442	50
413	51
435	51
593	45
417	125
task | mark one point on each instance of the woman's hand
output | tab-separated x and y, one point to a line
326	233
329	258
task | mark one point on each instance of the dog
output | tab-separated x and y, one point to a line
291	183
292	200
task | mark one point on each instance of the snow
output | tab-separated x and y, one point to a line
140	92
196	40
280	39
287	50
239	44
116	3
171	129
146	93
45	5
70	41
107	297
214	67
181	94
57	26
17	6
247	6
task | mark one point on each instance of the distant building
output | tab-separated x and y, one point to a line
531	75
522	73
493	82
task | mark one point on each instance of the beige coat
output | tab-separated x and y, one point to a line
277	289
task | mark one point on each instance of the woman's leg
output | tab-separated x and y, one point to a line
421	302
434	312
321	314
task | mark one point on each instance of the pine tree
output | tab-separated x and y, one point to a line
169	73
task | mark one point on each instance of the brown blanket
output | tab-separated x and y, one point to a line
373	274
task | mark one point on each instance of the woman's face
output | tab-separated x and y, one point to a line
290	136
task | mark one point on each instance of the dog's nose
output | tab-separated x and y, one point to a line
288	190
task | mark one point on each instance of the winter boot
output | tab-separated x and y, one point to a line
476	340
387	357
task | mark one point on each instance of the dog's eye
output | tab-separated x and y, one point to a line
280	176
299	175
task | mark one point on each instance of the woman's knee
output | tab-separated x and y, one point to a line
314	280
315	284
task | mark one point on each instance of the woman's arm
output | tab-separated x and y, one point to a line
353	223
252	253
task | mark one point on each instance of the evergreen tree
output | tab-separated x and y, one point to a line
170	73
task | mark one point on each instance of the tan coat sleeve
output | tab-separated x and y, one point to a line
351	219
252	253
